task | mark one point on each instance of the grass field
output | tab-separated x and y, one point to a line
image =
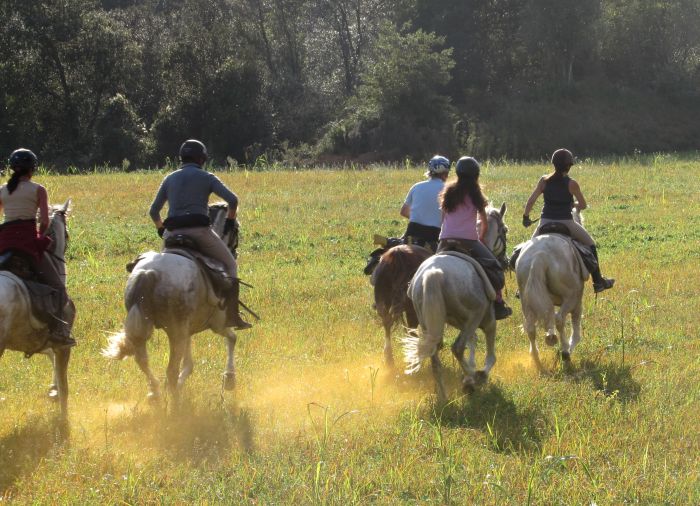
316	417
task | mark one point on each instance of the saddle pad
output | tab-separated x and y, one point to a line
35	323
488	287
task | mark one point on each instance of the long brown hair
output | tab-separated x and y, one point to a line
453	194
17	174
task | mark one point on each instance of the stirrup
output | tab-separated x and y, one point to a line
501	310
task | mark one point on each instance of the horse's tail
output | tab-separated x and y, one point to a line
138	325
429	302
535	296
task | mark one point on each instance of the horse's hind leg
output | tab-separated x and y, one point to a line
230	372
141	357
388	352
490	333
531	330
437	374
53	387
187	364
178	344
61	358
575	329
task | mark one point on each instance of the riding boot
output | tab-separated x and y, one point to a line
502	310
233	316
59	326
599	282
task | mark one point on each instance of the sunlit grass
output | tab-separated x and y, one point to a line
316	416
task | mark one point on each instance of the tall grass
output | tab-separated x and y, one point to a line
317	417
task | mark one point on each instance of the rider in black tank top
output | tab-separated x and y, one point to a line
558	200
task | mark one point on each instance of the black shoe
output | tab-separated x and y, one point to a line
238	323
61	341
502	310
604	284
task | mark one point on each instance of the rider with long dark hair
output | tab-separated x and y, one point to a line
561	195
22	199
461	202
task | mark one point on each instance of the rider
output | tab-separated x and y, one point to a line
21	198
187	192
559	191
461	201
421	206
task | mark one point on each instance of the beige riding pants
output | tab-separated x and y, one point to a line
577	231
210	244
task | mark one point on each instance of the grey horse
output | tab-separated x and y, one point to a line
169	291
20	330
449	290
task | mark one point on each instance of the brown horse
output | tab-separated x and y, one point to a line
390	279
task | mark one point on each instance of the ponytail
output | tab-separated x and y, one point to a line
17	174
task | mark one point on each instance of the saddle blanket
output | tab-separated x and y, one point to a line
488	287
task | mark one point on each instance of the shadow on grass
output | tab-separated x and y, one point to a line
193	433
23	449
613	380
489	409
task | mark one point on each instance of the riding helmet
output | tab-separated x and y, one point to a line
562	159
193	150
23	159
438	165
467	166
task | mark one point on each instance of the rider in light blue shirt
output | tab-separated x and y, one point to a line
421	205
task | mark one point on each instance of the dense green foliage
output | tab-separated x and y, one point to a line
316	417
98	81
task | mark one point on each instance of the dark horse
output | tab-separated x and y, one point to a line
390	278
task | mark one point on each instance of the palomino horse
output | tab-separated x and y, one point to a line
20	330
549	274
390	278
448	289
169	291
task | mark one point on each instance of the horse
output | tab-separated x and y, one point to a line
549	274
390	278
448	290
20	330
169	291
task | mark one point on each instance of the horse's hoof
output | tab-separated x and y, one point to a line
566	356
53	394
551	339
481	377
229	381
468	385
153	397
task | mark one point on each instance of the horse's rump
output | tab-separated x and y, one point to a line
392	276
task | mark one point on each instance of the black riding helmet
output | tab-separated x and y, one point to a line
193	150
467	166
23	159
562	159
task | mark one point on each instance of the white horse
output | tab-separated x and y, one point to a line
448	289
20	330
550	275
169	291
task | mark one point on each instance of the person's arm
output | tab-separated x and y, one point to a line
405	211
157	205
218	188
580	201
533	198
483	224
43	204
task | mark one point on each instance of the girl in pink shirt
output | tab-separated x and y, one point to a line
461	202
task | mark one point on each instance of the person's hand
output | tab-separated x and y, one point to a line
526	221
230	225
161	231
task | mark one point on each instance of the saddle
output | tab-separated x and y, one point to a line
44	300
488	283
584	254
214	271
492	268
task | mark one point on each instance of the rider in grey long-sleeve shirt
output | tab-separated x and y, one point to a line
187	193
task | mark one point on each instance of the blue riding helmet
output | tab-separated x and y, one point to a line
438	165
